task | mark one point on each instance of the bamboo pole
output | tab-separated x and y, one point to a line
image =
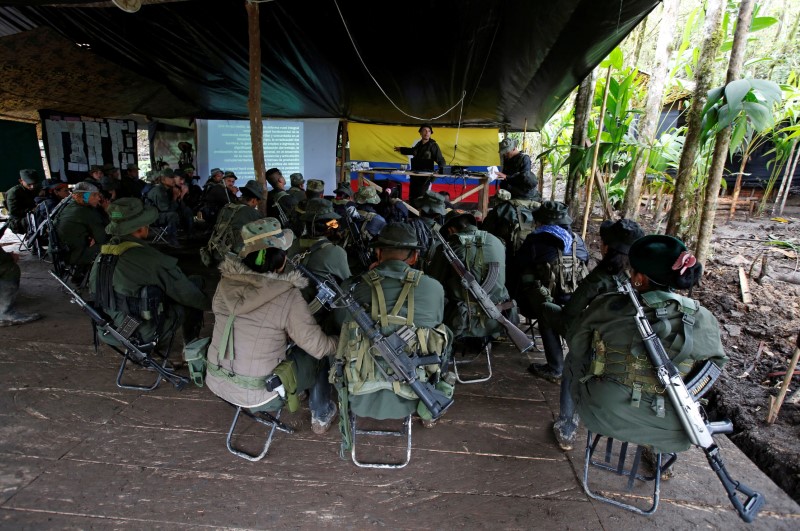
593	171
342	171
776	403
254	98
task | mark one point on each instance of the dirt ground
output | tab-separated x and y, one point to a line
759	337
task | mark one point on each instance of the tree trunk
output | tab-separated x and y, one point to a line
788	184
642	30
648	125
580	128
786	181
681	200
254	98
723	138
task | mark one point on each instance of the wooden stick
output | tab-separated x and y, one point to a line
468	193
745	286
593	171
776	403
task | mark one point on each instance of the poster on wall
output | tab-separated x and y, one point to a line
74	144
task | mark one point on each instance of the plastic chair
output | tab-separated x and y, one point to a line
262	417
620	454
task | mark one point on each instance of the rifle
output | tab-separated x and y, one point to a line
123	337
325	294
47	221
391	348
470	283
700	431
363	255
281	215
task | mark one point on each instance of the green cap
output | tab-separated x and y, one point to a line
315	185
128	214
397	235
431	203
552	213
30	176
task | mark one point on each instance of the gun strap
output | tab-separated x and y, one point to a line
658	300
225	349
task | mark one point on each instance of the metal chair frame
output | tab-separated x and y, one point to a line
405	432
619	468
265	418
486	349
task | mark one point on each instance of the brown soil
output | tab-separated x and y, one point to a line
770	323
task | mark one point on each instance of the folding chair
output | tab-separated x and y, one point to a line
159	233
262	417
355	431
620	454
482	346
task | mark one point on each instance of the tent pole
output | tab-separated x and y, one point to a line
342	170
254	99
593	173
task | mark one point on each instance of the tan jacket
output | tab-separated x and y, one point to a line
269	310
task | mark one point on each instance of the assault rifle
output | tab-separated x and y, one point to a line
134	352
700	431
47	222
470	283
325	294
362	253
391	348
282	217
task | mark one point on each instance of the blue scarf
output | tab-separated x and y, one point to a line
558	232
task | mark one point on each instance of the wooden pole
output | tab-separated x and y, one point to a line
343	172
254	98
776	403
593	171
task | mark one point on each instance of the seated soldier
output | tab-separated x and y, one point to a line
343	202
257	307
510	221
613	382
162	198
314	190
54	193
431	208
227	235
479	251
21	199
81	228
516	175
552	260
394	294
280	203
9	287
391	207
297	191
616	239
370	222
132	278
130	185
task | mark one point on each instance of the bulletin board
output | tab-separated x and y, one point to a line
73	143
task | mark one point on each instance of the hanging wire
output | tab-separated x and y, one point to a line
377	84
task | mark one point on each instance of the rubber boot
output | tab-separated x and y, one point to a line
9	317
323	409
550	371
565	428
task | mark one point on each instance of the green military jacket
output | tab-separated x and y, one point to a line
463	315
428	297
143	265
76	226
606	350
597	282
297	193
19	200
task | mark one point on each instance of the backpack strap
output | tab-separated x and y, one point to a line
378	305
410	281
107	263
225	349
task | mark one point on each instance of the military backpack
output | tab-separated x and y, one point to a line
223	238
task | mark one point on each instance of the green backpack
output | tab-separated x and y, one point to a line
222	239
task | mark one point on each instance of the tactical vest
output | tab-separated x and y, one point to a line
561	276
223	238
361	373
148	305
632	367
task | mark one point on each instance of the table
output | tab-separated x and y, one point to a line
365	178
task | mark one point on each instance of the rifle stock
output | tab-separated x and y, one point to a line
699	431
362	253
470	283
132	351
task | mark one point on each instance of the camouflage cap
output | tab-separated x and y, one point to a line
215	171
263	234
620	235
396	235
255	188
507	145
296	179
319	209
367	194
315	185
30	176
503	195
552	213
129	214
431	203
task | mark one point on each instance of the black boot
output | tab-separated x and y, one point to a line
9	317
323	409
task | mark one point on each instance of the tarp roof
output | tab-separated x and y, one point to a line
513	61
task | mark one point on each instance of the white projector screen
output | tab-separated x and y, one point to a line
305	146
